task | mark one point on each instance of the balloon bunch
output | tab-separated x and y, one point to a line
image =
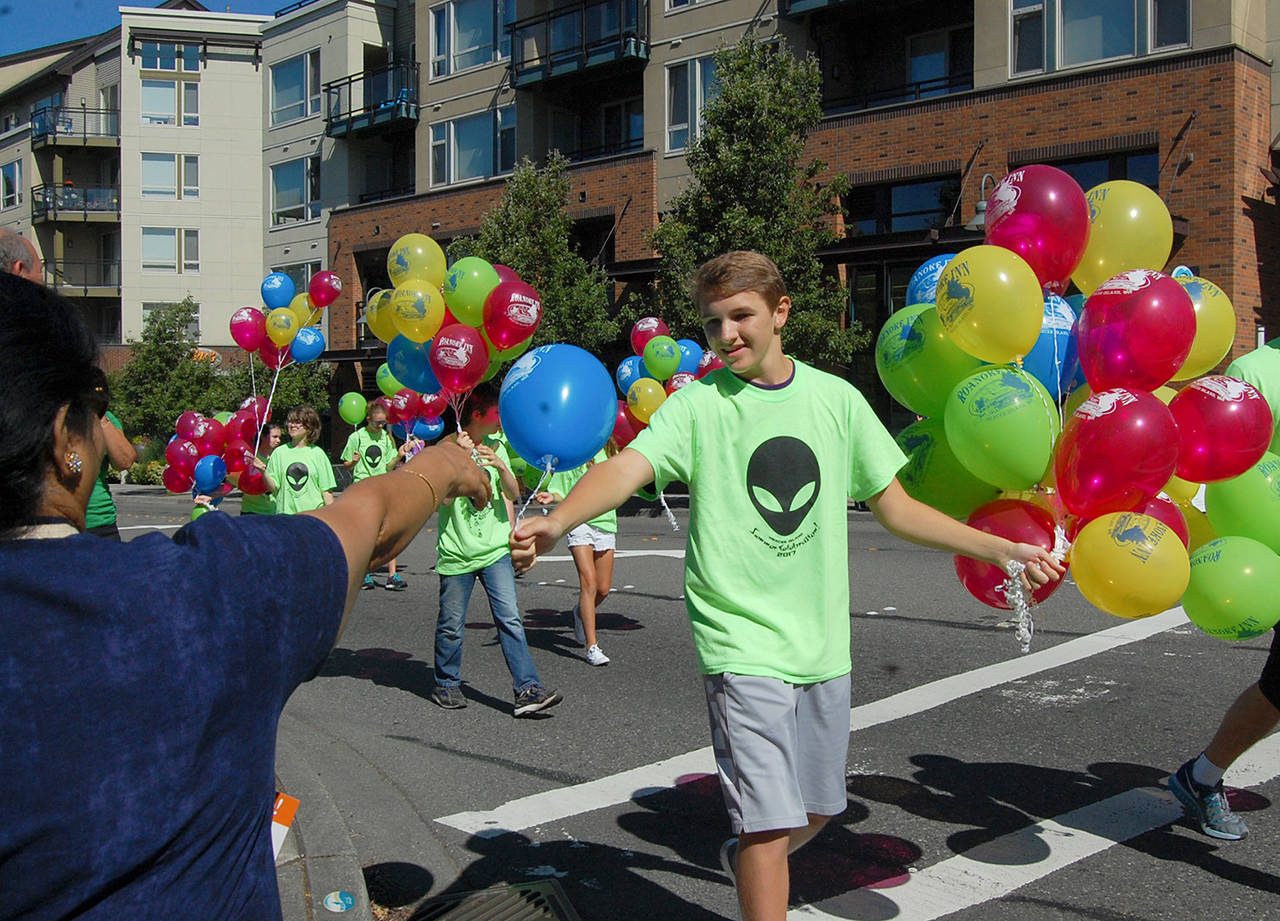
288	331
204	451
660	366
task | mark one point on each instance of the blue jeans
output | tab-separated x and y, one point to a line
499	581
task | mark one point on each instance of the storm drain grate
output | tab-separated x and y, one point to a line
537	901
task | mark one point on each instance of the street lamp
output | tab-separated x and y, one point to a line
979	219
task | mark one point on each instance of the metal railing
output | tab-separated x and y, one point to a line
383	194
74	123
909	92
578	36
390	91
604	150
96	273
59	200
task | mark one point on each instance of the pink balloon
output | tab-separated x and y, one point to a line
324	288
1163	509
405	406
252	482
458	357
1135	331
1117	450
249	328
710	362
1040	213
176	481
258	408
187	422
181	454
242	425
210	437
1017	521
678	380
624	432
434	404
237	455
1225	427
512	312
644	330
274	356
505	273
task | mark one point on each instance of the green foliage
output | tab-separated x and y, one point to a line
296	385
749	189
529	231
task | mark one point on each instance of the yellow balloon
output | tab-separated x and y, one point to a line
379	318
282	326
1215	327
1198	527
1129	228
417	311
1074	399
1130	565
990	303
304	309
644	398
416	257
1180	490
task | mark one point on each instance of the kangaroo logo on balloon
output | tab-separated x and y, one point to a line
1105	403
1227	389
1127	282
1004	198
957	297
1139	534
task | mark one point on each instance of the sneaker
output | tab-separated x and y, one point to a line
1207	806
448	698
396	584
729	859
534	698
595	657
578	633
368	581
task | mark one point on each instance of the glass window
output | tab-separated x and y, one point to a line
193	328
191	57
623	124
506	139
300	273
690	86
159	102
191	104
1139	166
159	175
159	56
1096	30
159	249
11	180
440	153
1170	23
472	147
900	207
440	41
190	176
1028	36
191	251
295	191
469	33
295	88
927	57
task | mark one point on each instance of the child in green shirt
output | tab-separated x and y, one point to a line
371	450
299	474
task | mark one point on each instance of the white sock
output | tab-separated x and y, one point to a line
1206	773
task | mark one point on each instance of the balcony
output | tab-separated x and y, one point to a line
581	36
385	194
381	100
583	154
93	278
910	92
75	203
799	7
81	127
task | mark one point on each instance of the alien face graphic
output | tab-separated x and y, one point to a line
297	475
783	482
372	455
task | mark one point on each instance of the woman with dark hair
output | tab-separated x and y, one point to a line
141	693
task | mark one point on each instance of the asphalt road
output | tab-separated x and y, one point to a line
983	784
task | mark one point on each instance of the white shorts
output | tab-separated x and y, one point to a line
584	535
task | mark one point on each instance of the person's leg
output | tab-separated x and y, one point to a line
499	583
394	582
763	875
604	574
582	559
455	595
1247	721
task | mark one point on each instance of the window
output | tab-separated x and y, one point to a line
469	33
191	104
191	251
299	273
690	86
10	122
1096	30
11	180
474	147
160	247
940	62
900	206
159	102
160	175
295	191
1028	36
193	328
1170	23
295	88
1140	166
190	176
168	56
622	124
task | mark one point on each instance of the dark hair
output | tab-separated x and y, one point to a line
740	270
480	400
48	359
310	420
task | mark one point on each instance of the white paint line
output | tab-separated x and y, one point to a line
619	555
562	802
148	527
993	870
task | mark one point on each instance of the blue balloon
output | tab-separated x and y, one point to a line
409	365
428	429
923	286
690	355
398	430
1076	302
307	345
1053	360
277	290
557	407
629	371
210	471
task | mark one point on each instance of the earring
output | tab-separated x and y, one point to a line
74	463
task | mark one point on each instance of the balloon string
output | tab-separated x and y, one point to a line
1015	593
267	412
671	518
546	475
253	388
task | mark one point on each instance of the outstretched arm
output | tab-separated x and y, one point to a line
120	451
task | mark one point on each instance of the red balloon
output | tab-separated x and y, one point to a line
1135	331
237	455
505	273
252	482
1117	451
1040	213
1225	427
187	422
459	357
512	312
274	356
210	437
181	454
242	425
176	481
324	288
433	405
1163	509
678	380
1017	521
644	330
631	417
710	362
249	328
624	432
405	405
258	408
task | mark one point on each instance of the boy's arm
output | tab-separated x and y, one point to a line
603	487
907	518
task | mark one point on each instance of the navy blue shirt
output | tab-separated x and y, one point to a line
140	688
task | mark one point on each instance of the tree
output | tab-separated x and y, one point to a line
529	231
749	189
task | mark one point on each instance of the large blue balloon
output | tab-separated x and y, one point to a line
210	471
557	407
398	430
923	286
307	345
409	365
629	371
1053	360
277	290
690	355
428	429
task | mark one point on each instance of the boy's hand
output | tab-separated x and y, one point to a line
523	553
1042	566
543	532
469	479
485	456
545	498
355	457
464	440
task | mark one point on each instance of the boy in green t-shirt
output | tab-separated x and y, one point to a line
371	450
475	544
772	450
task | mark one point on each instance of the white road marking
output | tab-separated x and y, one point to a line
148	527
620	555
563	802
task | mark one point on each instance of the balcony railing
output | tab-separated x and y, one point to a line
71	124
89	277
796	7
66	202
579	36
387	97
383	194
911	92
604	150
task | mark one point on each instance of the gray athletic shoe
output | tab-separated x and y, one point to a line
449	698
534	698
1207	806
729	860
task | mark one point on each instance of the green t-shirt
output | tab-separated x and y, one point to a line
468	539
770	472
263	504
1261	367
561	483
302	475
376	452
102	508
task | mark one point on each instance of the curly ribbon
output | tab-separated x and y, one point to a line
666	509
546	475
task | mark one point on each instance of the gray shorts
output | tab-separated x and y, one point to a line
780	748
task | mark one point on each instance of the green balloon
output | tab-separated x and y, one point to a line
934	476
1233	588
224	417
918	362
387	382
1248	505
351	407
1001	423
197	511
468	283
661	357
